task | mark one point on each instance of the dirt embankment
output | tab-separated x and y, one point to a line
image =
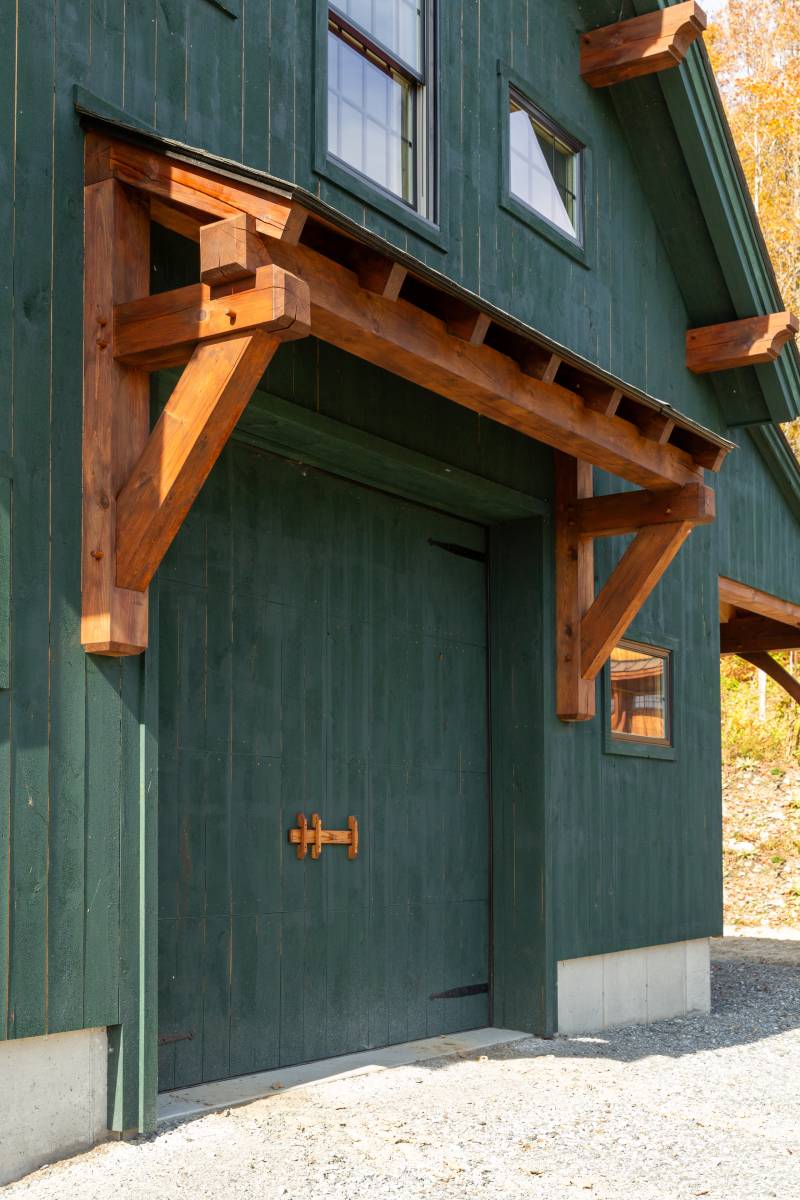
761	846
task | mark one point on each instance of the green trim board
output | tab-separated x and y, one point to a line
582	251
697	112
524	962
293	431
772	445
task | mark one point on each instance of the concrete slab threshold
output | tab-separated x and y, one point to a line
227	1093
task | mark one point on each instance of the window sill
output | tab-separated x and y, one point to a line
613	745
374	197
531	218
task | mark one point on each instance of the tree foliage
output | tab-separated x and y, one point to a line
755	51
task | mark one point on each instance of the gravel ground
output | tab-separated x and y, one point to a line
706	1106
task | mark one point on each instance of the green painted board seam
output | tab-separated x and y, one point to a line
776	452
323	442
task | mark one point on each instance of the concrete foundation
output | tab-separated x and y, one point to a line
52	1098
633	986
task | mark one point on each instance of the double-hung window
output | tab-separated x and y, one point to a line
379	107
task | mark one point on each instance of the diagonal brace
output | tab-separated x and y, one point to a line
627	588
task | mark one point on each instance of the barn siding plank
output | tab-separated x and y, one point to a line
67	852
31	353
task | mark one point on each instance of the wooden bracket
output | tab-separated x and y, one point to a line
739	343
138	485
315	837
766	663
588	626
641	45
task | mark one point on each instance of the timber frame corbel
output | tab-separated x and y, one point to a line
588	626
271	270
139	485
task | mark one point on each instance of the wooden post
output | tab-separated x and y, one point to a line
575	696
116	411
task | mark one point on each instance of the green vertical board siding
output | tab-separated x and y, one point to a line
73	779
637	842
758	530
31	353
523	906
319	654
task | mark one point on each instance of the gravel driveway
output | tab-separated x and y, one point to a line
706	1106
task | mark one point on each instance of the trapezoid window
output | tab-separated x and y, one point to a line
378	102
544	167
639	677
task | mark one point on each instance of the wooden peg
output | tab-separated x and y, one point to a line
302	841
352	849
316	823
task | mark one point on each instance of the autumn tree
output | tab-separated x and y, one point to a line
755	51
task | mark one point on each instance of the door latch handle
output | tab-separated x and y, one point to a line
315	837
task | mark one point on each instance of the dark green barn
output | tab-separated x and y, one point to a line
389	447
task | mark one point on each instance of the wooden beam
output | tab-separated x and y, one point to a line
162	330
726	612
767	664
401	338
741	595
539	364
230	249
749	635
655	425
575	696
116	411
468	325
205	196
641	45
739	343
627	588
604	400
188	438
624	512
175	219
379	274
202	194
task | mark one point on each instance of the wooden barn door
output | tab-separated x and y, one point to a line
322	649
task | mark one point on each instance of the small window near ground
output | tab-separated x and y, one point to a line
377	96
640	694
544	167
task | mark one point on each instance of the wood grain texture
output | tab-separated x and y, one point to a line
622	596
415	345
116	412
162	331
199	418
199	193
751	599
230	249
625	512
742	343
216	197
750	635
574	572
640	45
